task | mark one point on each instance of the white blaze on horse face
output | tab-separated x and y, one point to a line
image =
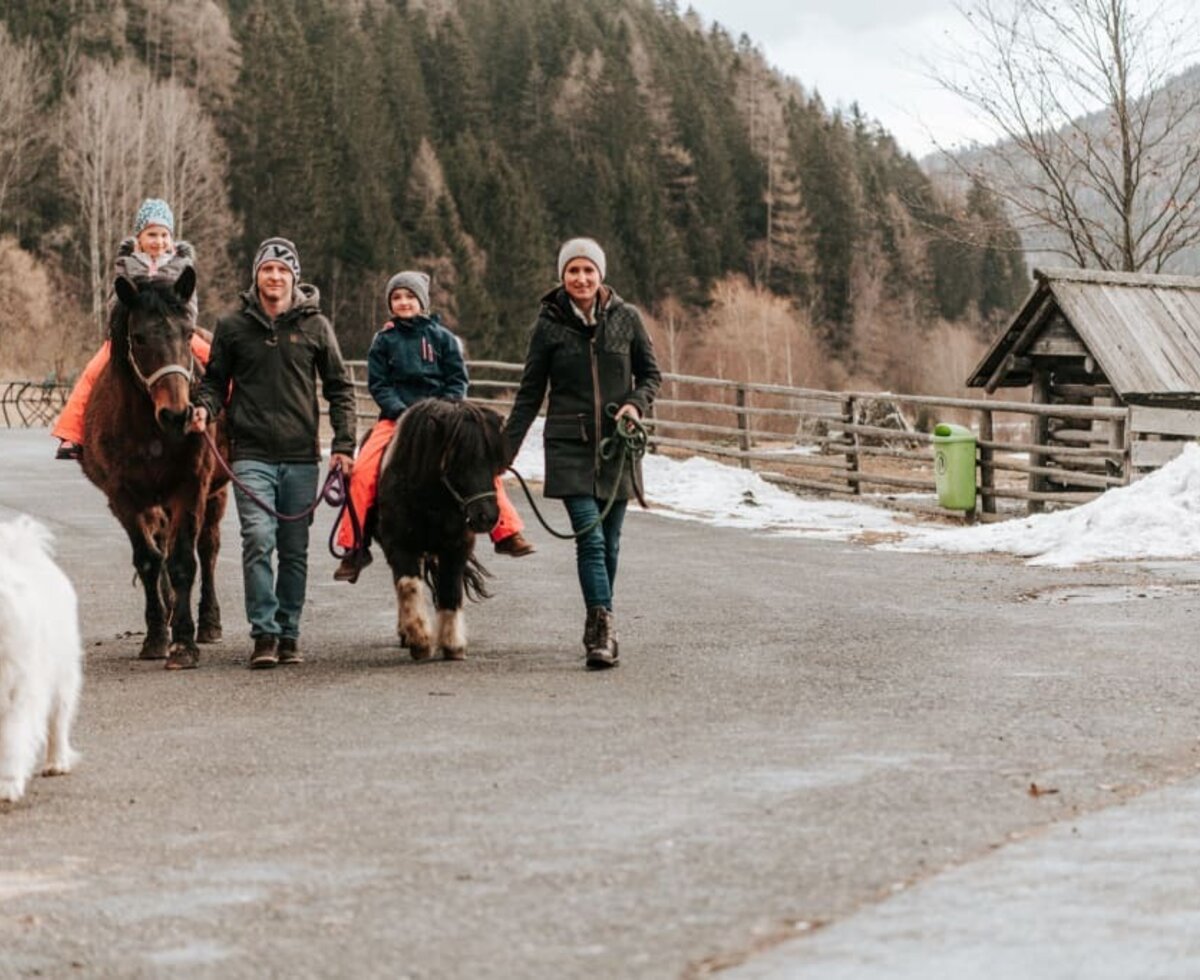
452	633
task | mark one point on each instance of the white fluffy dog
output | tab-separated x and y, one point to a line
41	656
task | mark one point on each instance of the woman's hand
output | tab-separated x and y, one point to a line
628	411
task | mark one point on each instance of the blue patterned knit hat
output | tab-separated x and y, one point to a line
154	211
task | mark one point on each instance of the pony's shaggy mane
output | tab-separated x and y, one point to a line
436	430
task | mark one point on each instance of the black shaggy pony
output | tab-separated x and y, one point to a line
437	490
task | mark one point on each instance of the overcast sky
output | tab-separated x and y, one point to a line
864	50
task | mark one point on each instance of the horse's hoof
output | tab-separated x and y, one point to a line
183	658
454	653
209	634
420	653
153	650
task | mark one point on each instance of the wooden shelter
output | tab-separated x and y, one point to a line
1090	338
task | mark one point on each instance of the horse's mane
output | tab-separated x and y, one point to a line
436	429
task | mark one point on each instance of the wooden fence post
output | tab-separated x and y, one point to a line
850	411
1040	431
987	474
743	424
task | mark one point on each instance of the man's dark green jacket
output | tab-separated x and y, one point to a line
263	374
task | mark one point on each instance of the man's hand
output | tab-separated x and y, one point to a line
199	419
341	459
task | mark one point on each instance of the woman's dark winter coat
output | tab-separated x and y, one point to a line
587	368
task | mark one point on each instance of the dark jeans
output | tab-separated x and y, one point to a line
596	552
273	605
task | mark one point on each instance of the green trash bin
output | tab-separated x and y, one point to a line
954	466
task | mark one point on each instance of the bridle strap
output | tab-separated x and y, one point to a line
465	502
166	370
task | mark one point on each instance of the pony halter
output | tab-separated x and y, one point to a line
166	370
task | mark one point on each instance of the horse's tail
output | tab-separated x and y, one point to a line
474	577
473	580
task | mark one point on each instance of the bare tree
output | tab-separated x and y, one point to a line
1097	155
22	86
122	137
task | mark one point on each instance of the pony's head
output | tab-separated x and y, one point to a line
459	447
151	343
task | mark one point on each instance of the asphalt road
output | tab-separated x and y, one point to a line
800	732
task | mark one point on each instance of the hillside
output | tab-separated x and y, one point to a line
468	137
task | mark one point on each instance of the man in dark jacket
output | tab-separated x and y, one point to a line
266	358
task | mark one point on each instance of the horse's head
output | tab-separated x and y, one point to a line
151	337
457	447
474	455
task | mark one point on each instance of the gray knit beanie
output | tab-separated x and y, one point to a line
277	250
581	248
416	283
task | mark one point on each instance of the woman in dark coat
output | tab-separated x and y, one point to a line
591	350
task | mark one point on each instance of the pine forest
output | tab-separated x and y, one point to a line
768	236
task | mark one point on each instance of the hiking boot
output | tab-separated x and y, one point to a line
266	651
69	450
515	546
352	564
289	652
602	650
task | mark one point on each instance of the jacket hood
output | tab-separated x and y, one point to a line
306	298
182	249
558	304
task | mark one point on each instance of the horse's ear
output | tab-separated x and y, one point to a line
185	285
127	292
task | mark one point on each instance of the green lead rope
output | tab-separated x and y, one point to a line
627	443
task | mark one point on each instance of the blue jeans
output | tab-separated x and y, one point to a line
273	605
596	552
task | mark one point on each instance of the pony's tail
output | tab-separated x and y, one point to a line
473	580
474	577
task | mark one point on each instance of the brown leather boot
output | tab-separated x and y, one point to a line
266	651
602	651
352	564
515	546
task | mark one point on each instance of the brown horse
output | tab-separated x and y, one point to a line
161	482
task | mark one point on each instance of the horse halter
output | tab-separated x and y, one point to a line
166	370
463	502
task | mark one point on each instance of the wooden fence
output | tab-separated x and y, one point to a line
872	444
854	444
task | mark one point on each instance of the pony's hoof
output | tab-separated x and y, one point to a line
209	634
420	653
153	650
183	658
454	653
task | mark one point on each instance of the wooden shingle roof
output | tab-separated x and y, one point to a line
1142	330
